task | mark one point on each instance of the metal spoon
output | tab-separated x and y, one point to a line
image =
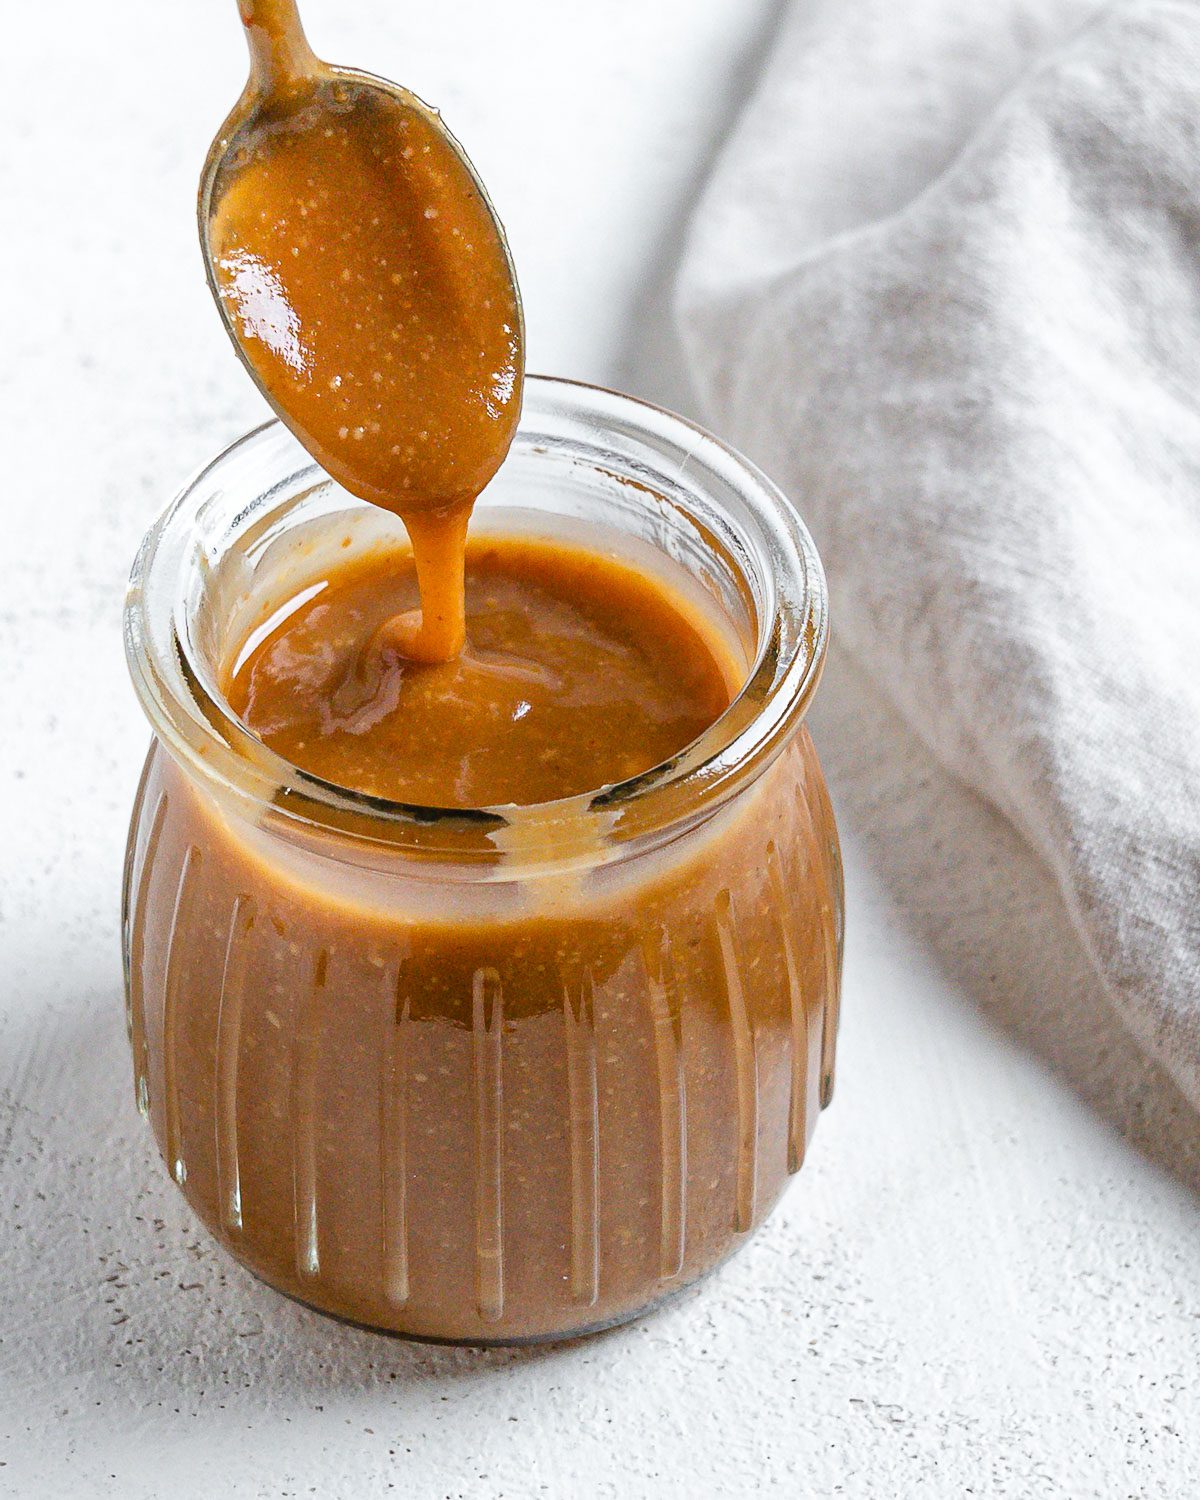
444	413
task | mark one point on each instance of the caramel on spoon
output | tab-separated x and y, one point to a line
367	286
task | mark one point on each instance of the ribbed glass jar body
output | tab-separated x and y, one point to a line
500	1075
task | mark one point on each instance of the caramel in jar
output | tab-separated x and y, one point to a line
491	1073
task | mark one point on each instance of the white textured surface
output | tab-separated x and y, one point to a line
986	1281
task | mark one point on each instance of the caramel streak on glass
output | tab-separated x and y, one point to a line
307	1118
487	1022
131	869
798	1089
178	938
745	1063
229	1036
579	1022
393	1136
672	1102
135	963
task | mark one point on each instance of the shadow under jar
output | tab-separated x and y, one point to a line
499	1074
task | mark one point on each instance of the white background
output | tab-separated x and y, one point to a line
987	1279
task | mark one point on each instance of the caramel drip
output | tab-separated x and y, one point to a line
825	879
487	1034
745	1065
665	1007
798	1095
136	996
438	630
834	900
229	1037
134	852
393	1140
177	949
304	1105
579	1017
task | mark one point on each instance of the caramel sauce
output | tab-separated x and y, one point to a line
578	671
368	286
479	1110
458	1100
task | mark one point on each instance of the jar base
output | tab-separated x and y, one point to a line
694	1287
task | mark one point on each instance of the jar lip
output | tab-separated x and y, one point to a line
657	804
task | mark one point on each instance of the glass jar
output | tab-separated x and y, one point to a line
507	1073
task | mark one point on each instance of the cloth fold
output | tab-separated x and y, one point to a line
945	287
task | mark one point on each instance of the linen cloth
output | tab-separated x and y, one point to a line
944	286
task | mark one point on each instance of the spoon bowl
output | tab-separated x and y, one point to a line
362	274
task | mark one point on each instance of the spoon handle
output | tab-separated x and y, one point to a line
279	50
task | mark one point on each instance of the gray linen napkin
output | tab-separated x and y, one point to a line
945	288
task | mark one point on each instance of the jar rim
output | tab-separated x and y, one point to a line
651	807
